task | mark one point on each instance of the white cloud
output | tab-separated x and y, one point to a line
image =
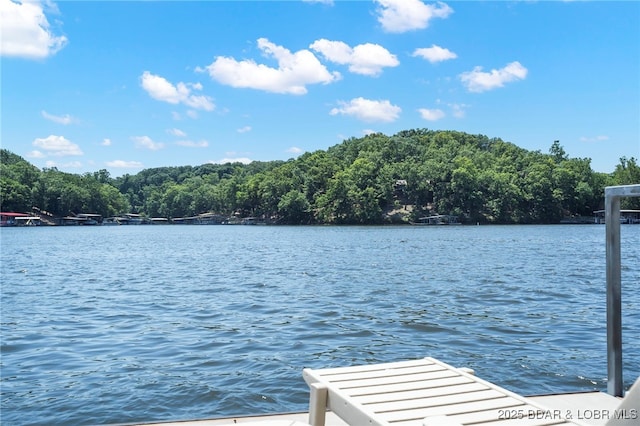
243	160
35	154
25	30
295	150
60	119
160	89
398	16
106	142
147	142
122	164
193	144
435	54
458	110
244	129
479	81
431	114
335	51
68	165
177	132
57	146
368	132
368	110
599	138
366	59
295	71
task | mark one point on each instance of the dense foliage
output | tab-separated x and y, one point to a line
23	187
369	180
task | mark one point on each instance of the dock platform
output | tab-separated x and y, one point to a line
593	408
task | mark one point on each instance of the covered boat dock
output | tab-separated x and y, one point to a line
627	216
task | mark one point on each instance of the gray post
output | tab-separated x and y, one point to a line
614	294
612	197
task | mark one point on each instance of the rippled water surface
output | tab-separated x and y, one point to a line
147	323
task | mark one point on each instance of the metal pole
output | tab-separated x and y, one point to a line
614	293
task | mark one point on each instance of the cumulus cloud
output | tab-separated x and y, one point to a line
398	16
366	59
106	142
435	54
295	71
244	129
431	114
60	119
193	144
368	110
147	142
57	146
161	89
479	81
122	164
177	132
25	31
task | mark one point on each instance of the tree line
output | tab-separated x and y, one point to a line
375	179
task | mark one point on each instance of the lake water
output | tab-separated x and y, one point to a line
147	323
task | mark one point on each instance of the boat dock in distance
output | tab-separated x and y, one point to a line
438	219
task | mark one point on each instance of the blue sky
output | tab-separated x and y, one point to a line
124	86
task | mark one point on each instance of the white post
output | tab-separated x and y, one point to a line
317	404
612	195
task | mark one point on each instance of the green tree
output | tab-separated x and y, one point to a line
17	178
447	172
542	198
294	208
557	152
627	172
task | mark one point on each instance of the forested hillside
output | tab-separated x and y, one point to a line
371	180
